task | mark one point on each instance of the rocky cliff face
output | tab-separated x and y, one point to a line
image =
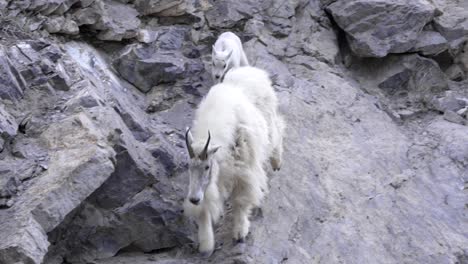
95	96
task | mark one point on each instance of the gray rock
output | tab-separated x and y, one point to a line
463	112
454	139
230	14
147	36
452	23
3	4
411	81
29	148
164	100
146	7
8	186
454	118
84	99
11	85
462	58
21	169
54	24
281	13
430	43
70	27
45	204
450	101
58	7
145	73
374	31
146	66
86	16
455	72
8	125
112	20
60	81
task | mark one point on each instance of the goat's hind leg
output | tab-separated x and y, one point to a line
276	156
241	212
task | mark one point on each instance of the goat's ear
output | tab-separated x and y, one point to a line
213	150
213	51
229	54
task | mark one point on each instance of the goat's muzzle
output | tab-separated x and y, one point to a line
195	201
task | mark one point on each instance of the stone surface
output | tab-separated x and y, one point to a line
117	21
452	24
8	125
156	6
430	43
411	81
463	112
93	167
454	118
11	87
145	73
224	15
455	73
374	28
163	61
450	101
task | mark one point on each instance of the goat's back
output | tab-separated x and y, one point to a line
228	38
224	111
255	84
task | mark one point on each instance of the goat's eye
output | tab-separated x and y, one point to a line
207	167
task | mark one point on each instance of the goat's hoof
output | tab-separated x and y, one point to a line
275	164
240	240
206	254
276	167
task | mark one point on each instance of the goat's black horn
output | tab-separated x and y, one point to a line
204	154
189	144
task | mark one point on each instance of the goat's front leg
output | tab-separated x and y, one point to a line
205	234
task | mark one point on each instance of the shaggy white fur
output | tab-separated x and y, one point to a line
256	85
231	165
227	54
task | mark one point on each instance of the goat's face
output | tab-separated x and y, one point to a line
221	60
202	166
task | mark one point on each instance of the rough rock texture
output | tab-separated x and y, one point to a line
430	43
95	96
374	28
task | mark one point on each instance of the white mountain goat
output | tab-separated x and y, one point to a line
257	86
227	152
227	54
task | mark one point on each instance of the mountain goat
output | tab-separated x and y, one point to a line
228	148
257	87
227	54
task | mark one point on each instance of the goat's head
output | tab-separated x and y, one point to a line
202	168
221	61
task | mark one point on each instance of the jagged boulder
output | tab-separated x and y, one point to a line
163	61
374	28
430	43
452	24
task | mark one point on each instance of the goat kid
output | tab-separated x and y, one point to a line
227	54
